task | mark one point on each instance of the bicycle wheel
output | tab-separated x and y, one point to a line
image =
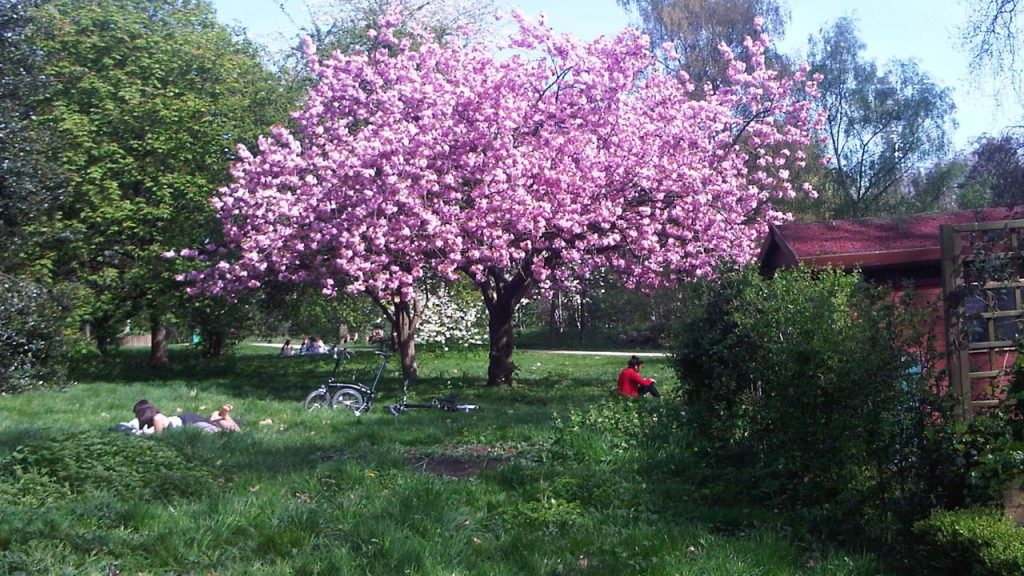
317	399
351	399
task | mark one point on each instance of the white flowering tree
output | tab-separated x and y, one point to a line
451	317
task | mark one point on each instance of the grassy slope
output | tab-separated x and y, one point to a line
327	493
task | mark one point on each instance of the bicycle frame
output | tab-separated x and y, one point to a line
447	403
339	356
321	396
358	397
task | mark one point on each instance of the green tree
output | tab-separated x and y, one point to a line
936	188
998	167
882	123
149	98
305	310
32	316
344	24
29	181
698	27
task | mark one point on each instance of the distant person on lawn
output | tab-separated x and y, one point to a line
632	384
317	346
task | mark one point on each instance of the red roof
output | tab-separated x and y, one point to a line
869	242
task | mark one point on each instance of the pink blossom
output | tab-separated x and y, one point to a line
548	159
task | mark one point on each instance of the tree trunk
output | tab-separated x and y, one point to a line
104	333
552	319
501	298
213	343
404	316
500	368
158	343
404	325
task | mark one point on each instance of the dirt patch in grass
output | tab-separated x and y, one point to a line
451	466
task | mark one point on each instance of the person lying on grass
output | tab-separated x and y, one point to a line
222	419
152	420
632	384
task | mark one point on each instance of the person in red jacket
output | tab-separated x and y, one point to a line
631	383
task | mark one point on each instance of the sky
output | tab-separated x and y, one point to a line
923	30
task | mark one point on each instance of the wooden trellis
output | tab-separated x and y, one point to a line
983	288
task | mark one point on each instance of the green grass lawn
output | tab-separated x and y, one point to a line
511	489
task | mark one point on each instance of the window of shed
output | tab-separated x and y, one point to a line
1006	300
977	326
984	324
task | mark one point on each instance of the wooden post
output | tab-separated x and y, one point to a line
957	362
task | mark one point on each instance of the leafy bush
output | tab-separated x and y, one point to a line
813	389
98	463
599	452
604	432
977	459
989	456
31	324
971	542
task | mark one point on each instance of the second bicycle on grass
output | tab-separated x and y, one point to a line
449	403
321	397
354	396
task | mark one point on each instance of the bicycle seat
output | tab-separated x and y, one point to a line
386	354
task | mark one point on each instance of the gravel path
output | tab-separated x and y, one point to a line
571	352
598	353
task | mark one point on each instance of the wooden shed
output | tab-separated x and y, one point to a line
976	320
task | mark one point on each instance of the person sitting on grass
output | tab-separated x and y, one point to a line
316	346
222	419
152	420
632	384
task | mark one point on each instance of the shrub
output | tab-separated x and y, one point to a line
991	445
812	388
977	459
971	542
31	324
605	431
600	452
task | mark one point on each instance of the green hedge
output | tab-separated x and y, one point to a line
810	392
970	542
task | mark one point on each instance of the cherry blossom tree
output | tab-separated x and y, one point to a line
520	164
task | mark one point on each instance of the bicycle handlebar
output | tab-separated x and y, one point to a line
343	353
